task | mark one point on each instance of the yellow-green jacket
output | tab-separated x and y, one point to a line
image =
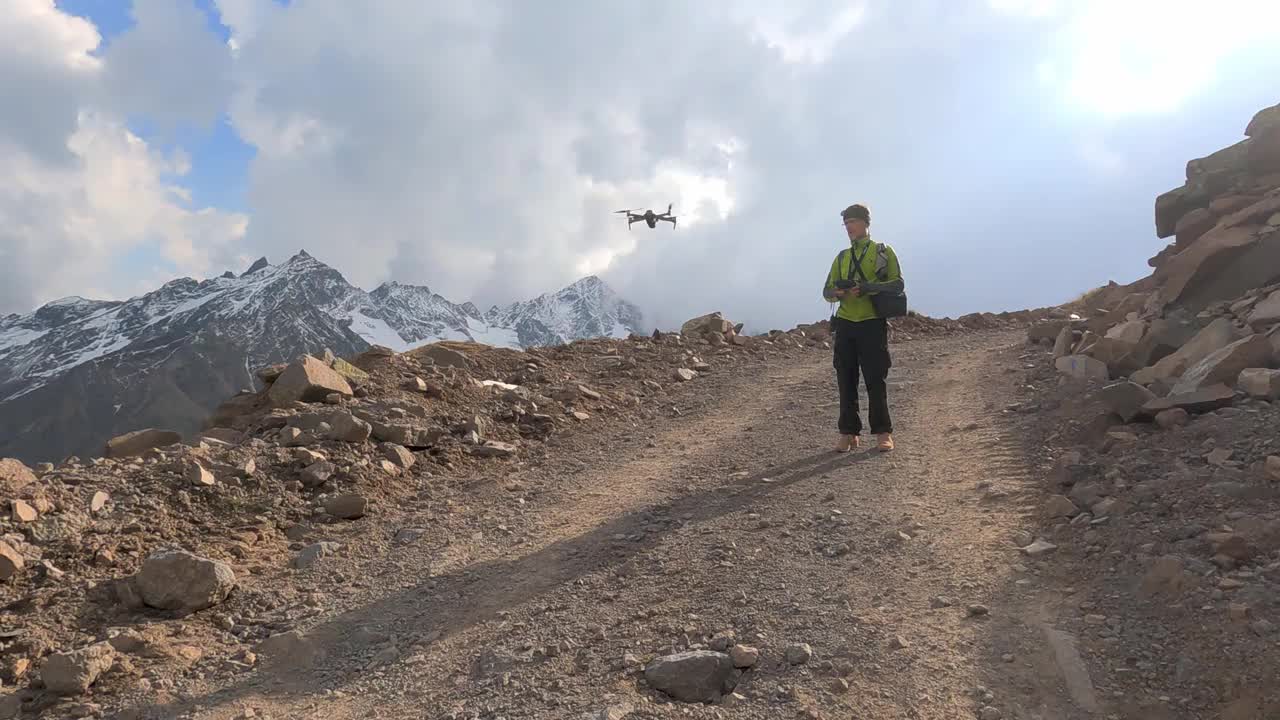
857	309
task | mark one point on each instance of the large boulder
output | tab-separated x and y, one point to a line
1225	365
1219	170
1256	214
443	356
1233	274
1260	383
1203	400
1164	336
1064	343
1203	260
1083	367
11	561
178	580
307	379
1173	205
1133	302
140	441
353	374
1264	149
1264	120
1118	355
1126	399
1228	204
14	475
345	427
409	435
232	412
1131	332
1192	226
72	673
1216	335
711	323
693	676
1266	313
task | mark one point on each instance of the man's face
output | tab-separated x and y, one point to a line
855	227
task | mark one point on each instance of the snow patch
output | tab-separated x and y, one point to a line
376	332
17	337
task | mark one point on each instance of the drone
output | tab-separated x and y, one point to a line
649	216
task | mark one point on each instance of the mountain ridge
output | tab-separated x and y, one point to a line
76	371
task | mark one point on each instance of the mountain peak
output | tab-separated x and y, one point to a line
393	288
586	308
588	281
257	265
201	337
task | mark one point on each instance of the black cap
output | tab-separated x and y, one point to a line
856	212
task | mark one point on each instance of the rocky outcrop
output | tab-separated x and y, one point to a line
1264	141
14	475
1207	320
1225	220
307	379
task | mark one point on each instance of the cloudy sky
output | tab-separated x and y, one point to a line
1010	150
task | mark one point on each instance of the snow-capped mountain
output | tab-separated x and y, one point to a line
76	372
587	308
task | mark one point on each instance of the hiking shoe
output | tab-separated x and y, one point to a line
886	442
846	443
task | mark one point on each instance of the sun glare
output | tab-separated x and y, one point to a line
1149	56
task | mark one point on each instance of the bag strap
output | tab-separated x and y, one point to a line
855	265
882	261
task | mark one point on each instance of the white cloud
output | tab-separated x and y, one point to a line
803	34
168	67
244	17
78	191
1126	57
482	147
1027	8
455	145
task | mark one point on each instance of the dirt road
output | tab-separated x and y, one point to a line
543	592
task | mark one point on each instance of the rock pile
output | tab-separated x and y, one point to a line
1201	330
1163	487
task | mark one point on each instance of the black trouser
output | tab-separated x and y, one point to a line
862	346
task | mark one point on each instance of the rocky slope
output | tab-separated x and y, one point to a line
76	372
1164	470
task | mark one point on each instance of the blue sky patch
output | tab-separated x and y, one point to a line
219	158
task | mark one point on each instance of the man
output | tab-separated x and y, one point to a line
860	337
